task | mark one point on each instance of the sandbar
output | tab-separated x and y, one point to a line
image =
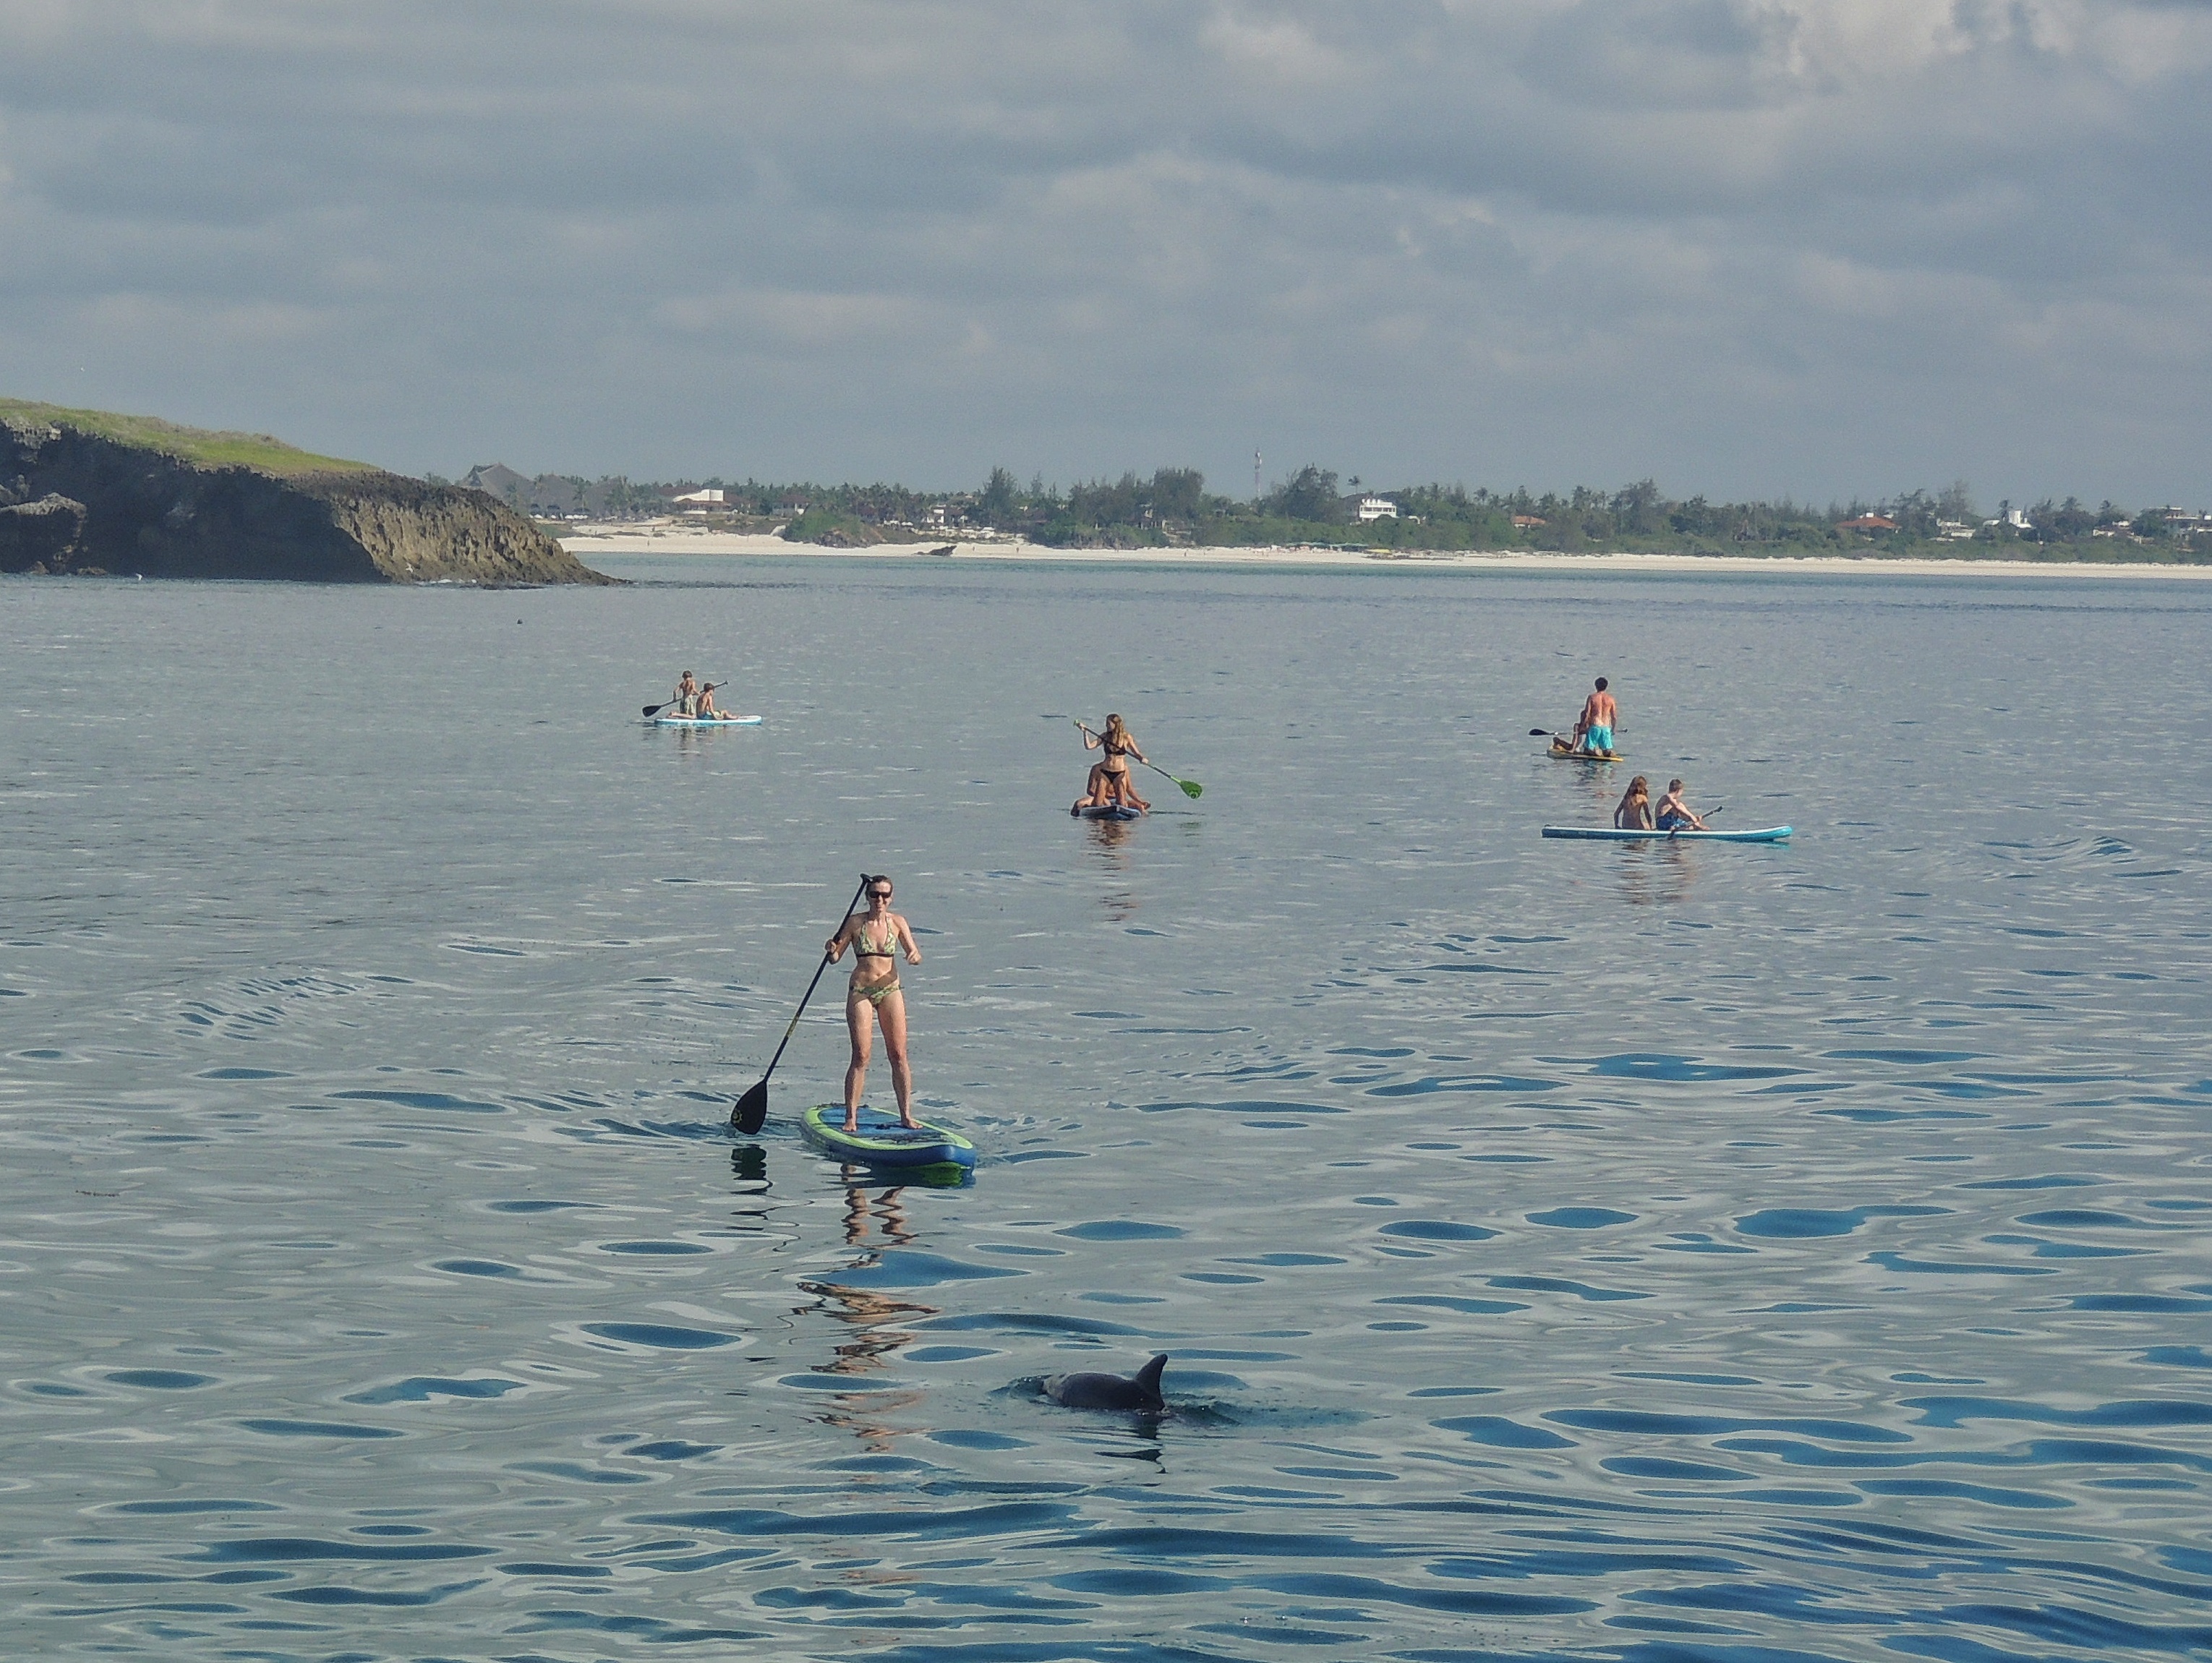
657	537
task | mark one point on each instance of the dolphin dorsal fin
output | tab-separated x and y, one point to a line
1147	1378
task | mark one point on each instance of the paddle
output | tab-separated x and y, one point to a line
655	710
1191	788
1707	815
750	1111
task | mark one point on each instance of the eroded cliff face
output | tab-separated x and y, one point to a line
74	500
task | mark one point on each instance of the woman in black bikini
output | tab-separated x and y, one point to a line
1110	777
876	936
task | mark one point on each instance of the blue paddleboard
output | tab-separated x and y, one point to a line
1609	835
703	721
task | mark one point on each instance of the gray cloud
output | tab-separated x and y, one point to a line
1748	246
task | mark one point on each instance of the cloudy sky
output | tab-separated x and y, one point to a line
1744	247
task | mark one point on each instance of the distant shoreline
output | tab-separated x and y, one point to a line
675	539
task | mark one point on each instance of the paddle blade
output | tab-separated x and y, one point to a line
1191	788
649	709
751	1111
1539	733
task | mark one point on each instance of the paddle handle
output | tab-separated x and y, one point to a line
811	986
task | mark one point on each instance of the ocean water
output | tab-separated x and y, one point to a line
1562	1250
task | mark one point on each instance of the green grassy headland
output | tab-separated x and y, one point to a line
195	445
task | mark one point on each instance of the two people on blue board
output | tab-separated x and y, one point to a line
873	1000
1112	785
1594	727
694	700
1635	812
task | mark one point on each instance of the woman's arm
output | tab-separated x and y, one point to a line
906	941
835	949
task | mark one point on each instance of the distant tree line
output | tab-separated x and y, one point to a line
1312	507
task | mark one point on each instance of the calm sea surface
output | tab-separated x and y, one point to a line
1562	1250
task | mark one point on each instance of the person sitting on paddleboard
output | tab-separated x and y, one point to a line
686	697
705	710
1676	815
876	936
1109	778
1594	727
1634	813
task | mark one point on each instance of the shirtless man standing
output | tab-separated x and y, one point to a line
1594	727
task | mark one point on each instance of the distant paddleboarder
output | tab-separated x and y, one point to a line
1110	779
876	936
686	696
1594	727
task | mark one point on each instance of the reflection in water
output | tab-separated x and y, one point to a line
1657	874
1107	835
750	1183
1109	839
869	1315
888	1209
687	738
1148	1452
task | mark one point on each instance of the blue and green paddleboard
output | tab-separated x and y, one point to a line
882	1141
702	721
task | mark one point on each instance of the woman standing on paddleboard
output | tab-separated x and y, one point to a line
876	936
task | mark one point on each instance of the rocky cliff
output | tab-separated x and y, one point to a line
87	492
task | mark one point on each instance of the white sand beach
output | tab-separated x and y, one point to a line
658	537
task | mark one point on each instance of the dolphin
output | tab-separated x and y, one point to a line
1139	1391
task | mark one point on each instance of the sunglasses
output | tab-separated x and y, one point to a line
879	895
